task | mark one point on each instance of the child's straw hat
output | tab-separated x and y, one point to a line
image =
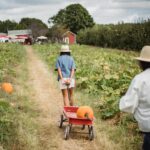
65	48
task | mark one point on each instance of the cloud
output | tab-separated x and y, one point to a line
28	2
103	11
114	11
135	4
16	11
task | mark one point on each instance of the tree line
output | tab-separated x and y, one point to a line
73	17
128	36
36	25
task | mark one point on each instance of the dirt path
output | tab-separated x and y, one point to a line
49	102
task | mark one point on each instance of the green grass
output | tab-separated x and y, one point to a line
18	128
103	76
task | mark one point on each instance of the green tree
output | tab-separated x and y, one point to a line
55	33
74	17
36	25
59	18
9	25
129	36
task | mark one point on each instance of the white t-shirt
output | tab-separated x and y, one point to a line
137	100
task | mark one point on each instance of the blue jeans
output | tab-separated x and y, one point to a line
146	143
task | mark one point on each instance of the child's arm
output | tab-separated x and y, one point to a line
72	73
58	69
59	73
73	69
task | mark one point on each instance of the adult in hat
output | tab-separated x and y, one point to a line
65	66
137	98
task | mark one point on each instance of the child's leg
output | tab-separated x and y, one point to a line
65	97
70	93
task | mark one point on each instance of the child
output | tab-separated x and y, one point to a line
137	98
65	66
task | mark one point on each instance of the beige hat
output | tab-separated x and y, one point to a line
145	54
65	48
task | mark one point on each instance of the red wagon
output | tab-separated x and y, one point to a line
69	115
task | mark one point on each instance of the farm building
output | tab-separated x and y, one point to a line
69	37
2	34
23	36
4	37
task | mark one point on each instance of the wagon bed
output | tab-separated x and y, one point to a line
69	115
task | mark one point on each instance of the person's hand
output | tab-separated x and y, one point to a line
68	81
63	81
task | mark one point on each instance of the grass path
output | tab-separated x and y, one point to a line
48	99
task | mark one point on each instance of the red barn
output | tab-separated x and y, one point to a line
69	37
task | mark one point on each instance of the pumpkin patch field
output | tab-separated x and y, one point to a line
102	77
14	107
10	56
104	74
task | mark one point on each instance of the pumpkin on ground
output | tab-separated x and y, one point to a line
85	112
7	87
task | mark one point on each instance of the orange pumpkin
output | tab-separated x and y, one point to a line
85	112
7	87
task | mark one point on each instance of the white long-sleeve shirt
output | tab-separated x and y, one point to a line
137	100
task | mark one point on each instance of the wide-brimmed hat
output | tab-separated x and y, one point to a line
145	54
65	48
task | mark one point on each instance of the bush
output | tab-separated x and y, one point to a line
122	36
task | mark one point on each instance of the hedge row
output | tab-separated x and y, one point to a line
122	36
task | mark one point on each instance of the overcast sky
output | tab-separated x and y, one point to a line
103	11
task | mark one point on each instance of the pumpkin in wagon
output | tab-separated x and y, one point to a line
7	87
85	112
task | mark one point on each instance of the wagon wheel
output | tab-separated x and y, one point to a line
67	130
89	129
91	133
70	127
83	127
61	121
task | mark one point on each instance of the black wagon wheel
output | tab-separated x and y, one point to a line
89	129
83	127
61	121
91	133
67	130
